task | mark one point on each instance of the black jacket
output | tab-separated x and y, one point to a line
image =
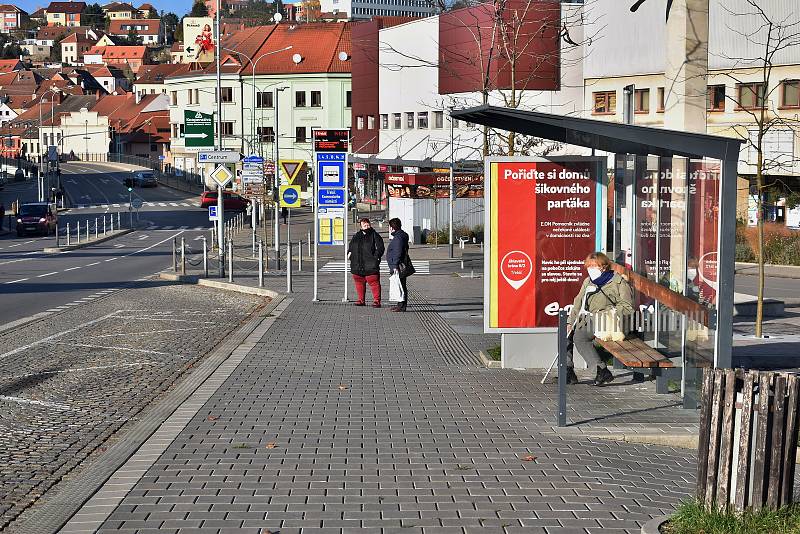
366	250
398	249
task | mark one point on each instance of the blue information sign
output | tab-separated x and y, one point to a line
331	173
212	213
290	196
330	197
253	159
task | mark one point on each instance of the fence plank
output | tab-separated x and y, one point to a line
705	428
760	442
776	447
714	437
745	435
790	435
726	442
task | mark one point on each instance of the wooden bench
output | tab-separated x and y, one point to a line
633	353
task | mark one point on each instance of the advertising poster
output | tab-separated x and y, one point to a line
199	41
430	185
702	262
542	220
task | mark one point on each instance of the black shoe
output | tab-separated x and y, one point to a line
572	378
603	376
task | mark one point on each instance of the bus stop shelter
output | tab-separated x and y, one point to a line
670	224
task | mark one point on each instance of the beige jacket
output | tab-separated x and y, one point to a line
615	294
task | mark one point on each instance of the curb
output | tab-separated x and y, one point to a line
654	525
776	271
679	441
488	362
194	279
116	233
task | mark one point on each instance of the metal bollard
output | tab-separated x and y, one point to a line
118	223
260	264
288	267
213	236
300	255
230	260
174	255
205	258
254	241
112	223
68	236
308	239
87	230
57	235
183	255
96	234
78	233
104	225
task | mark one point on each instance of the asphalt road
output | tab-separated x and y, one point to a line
32	282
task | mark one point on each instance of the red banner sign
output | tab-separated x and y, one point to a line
542	222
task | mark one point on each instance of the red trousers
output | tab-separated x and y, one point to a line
374	281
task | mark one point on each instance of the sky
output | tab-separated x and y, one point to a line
179	7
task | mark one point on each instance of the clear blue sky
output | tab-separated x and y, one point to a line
179	7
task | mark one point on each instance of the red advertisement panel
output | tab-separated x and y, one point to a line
542	222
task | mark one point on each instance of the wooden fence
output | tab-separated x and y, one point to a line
748	439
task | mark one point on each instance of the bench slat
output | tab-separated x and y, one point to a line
635	352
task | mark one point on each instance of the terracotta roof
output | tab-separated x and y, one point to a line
10	65
119	52
66	7
78	37
47	33
176	47
8	8
156	73
115	27
119	7
39	13
146	7
19	101
99	71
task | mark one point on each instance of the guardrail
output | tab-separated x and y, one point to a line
182	181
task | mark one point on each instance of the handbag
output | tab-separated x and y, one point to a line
396	288
405	267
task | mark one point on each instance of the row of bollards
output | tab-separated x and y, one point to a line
108	226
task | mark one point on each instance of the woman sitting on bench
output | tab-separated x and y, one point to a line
602	291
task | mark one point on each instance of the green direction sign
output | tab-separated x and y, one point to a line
198	129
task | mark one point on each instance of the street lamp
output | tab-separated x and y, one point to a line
40	178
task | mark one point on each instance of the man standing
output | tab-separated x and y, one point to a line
396	254
365	252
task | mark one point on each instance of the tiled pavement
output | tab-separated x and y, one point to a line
344	419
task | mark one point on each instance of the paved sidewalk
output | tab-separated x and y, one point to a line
344	419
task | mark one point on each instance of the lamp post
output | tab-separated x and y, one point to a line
276	180
452	180
42	159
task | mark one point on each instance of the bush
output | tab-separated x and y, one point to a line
781	245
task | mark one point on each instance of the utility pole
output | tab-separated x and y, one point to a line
218	145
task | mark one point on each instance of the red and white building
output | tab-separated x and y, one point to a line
10	18
132	57
148	29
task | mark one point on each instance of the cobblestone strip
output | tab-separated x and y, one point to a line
449	344
191	396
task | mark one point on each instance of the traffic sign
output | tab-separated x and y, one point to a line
330	197
291	168
331	173
331	140
253	159
212	213
290	196
198	129
221	175
219	156
137	203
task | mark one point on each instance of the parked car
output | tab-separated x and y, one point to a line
230	201
36	217
141	179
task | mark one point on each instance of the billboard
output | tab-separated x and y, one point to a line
199	41
543	218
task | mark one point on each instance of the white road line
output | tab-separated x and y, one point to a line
119	245
79	369
39	403
87	346
110	259
47	274
163	319
148	332
73	268
15	281
91	264
57	335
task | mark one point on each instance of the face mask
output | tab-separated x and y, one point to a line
691	273
594	273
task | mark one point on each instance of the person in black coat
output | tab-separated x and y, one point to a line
365	253
396	254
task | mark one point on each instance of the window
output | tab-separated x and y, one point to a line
660	97
790	96
226	94
371	122
316	99
397	119
348	99
422	120
438	119
384	121
641	101
194	96
227	128
751	95
300	99
267	134
605	103
410	120
359	123
264	99
715	98
300	134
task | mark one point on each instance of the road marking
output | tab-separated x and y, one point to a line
73	268
119	245
143	237
79	369
87	346
48	274
164	319
15	281
148	332
110	259
57	335
39	403
91	264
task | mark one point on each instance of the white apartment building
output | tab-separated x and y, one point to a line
83	132
366	9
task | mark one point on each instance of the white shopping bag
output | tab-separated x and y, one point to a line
395	289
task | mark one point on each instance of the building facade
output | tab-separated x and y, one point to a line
365	10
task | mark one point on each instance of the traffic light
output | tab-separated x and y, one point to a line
130	189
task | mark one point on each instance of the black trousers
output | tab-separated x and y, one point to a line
403	282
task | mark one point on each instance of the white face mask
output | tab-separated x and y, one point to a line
691	273
594	273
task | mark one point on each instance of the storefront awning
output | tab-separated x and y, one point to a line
601	135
